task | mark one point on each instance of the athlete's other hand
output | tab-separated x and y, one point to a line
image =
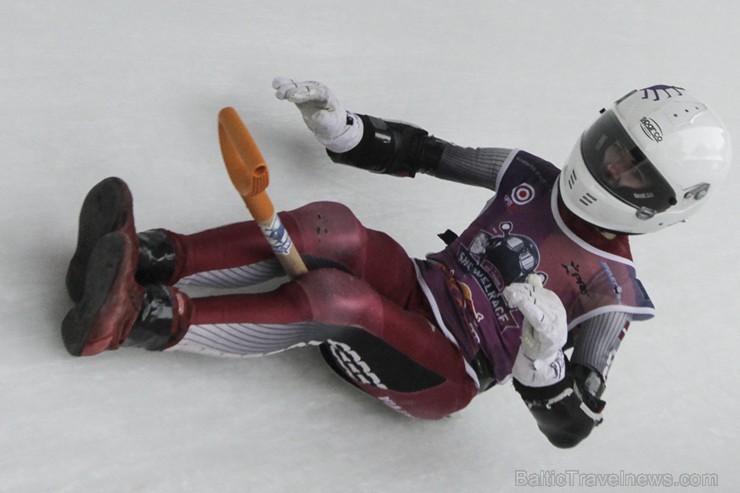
540	361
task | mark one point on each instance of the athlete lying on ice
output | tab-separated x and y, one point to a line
546	266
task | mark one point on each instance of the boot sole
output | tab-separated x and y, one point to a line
107	207
111	300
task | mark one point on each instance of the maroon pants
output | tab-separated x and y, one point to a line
371	316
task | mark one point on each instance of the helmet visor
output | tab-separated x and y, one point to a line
620	166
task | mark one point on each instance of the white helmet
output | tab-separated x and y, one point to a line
647	162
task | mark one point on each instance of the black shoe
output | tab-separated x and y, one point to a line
107	207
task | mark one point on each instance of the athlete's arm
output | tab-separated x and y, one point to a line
403	150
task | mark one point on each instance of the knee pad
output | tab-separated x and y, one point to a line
331	231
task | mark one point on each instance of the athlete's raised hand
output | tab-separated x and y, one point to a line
338	130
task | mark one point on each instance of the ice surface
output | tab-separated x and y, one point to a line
90	89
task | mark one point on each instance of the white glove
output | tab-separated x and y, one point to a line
540	361
338	130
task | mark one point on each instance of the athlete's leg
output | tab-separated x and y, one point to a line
396	355
237	254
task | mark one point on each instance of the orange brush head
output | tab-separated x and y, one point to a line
244	162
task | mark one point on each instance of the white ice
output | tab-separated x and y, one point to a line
90	89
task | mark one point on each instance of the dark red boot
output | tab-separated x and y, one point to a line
107	207
110	302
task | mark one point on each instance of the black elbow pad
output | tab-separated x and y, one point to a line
392	148
565	418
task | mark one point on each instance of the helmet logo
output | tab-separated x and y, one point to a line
651	129
662	90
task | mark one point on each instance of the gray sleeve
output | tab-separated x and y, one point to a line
472	166
598	341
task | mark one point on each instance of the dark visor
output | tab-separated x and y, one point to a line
620	166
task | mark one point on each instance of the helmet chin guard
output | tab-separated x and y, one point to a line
649	161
